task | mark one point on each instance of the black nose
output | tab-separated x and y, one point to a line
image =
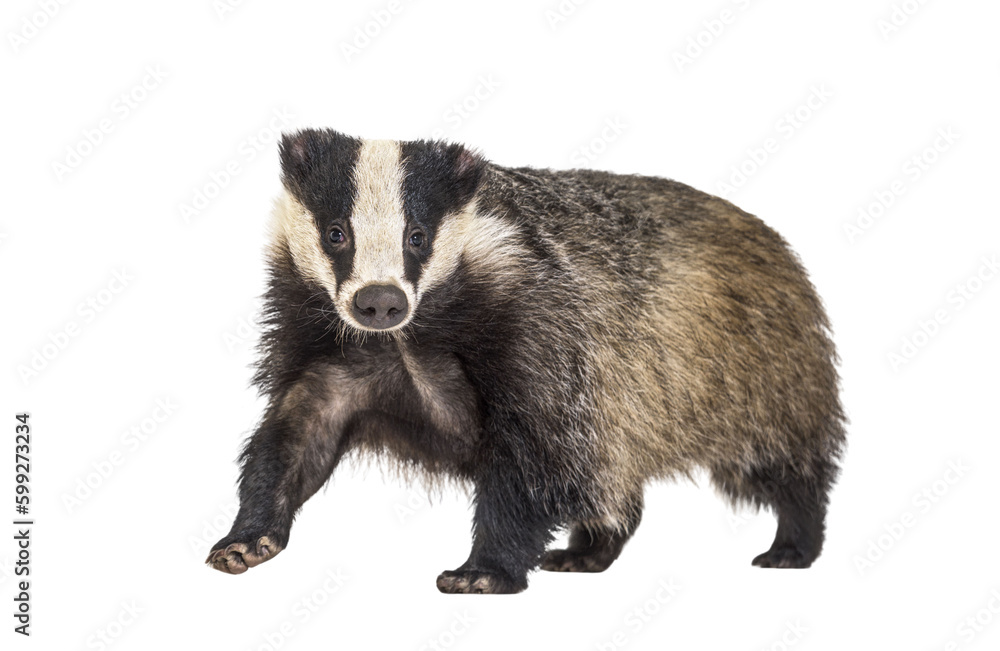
380	306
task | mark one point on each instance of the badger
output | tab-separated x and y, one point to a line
554	340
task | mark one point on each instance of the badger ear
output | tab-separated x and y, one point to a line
451	168
309	154
468	168
439	177
296	151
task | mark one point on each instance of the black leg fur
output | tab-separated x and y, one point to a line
799	502
274	483
800	505
510	532
593	547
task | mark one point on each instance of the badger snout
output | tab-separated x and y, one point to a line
380	307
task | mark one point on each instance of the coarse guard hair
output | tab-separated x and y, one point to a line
552	339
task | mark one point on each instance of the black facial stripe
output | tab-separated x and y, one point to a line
438	179
341	255
412	263
317	169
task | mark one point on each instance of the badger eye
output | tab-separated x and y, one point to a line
417	239
337	236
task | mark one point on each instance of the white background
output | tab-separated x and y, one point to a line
901	569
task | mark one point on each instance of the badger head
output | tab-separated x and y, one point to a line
374	223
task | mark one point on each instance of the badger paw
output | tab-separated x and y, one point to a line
567	560
235	557
478	582
788	556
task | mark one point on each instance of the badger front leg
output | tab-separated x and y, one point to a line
511	529
291	454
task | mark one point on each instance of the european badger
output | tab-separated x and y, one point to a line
556	338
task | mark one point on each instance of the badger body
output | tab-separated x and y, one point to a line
556	339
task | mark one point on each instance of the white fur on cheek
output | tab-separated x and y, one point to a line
486	242
294	225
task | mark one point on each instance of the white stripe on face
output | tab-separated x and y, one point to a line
294	226
377	222
485	242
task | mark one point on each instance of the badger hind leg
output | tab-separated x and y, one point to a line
798	497
594	546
